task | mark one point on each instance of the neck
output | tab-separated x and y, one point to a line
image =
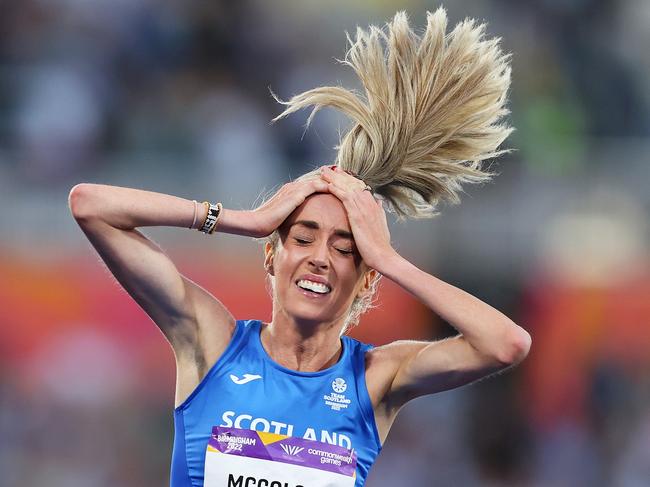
305	346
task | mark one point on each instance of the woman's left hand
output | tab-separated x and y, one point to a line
365	213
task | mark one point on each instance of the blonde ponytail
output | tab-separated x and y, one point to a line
431	113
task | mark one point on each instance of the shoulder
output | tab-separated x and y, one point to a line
245	332
356	347
394	353
210	351
378	359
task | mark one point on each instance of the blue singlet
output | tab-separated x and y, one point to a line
246	389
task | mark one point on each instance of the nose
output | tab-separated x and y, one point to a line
319	257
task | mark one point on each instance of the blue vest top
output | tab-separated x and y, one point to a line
246	389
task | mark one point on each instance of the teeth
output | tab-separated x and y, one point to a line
316	287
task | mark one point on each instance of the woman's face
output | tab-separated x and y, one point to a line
318	271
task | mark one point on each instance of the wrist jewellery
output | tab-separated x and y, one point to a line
195	212
211	219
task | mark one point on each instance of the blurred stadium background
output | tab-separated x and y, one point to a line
174	97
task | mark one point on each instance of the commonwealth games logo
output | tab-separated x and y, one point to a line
339	385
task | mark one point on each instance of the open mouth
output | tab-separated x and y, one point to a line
311	288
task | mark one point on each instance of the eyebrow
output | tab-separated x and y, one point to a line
315	226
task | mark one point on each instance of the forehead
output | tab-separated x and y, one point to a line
324	209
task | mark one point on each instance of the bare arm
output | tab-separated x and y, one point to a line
403	370
488	340
195	323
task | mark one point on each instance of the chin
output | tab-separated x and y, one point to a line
310	313
325	309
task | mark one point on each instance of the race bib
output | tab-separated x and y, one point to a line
247	458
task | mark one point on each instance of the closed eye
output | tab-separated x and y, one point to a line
346	251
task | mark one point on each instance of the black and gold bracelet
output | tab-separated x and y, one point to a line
211	219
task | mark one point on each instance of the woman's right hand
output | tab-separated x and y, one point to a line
270	215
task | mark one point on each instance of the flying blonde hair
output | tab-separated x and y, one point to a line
430	114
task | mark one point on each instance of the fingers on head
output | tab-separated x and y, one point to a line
336	191
334	174
319	183
326	173
344	194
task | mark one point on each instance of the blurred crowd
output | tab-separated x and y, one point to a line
175	97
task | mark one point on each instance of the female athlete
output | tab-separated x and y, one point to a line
293	402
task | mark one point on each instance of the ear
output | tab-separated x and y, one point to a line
269	253
368	278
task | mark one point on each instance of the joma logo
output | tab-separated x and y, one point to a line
292	450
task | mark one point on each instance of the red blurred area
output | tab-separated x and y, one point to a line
577	330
